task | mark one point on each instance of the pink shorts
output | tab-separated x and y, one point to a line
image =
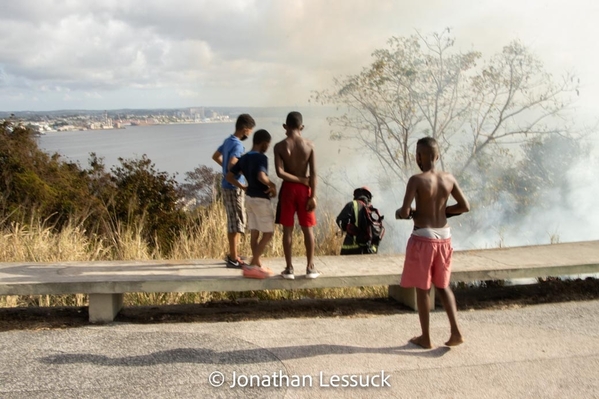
427	260
293	198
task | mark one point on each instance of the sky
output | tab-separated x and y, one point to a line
112	54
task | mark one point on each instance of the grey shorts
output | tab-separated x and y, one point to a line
234	200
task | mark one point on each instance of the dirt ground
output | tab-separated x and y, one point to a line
489	297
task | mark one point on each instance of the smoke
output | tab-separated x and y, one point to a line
565	211
568	217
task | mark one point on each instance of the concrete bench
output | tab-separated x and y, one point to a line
106	282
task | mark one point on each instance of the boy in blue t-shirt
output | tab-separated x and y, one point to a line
226	156
259	191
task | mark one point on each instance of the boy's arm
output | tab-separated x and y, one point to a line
231	179
280	170
232	161
462	205
218	157
311	205
406	209
236	154
263	178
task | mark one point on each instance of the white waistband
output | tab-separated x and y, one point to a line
439	233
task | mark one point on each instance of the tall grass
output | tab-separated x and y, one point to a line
204	236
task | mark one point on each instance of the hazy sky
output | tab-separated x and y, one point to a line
67	54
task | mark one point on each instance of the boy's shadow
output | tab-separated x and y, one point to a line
241	356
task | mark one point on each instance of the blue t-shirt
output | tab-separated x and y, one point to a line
250	165
231	147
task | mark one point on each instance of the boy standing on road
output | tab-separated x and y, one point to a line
226	156
428	254
295	165
259	190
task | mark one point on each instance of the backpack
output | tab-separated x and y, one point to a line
369	229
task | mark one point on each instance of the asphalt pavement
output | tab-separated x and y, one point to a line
540	351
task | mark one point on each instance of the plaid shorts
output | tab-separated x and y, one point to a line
234	200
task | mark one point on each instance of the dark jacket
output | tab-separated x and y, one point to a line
346	220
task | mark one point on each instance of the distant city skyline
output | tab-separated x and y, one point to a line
128	54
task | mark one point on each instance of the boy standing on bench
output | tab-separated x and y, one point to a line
428	254
259	191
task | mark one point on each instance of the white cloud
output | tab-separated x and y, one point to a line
250	52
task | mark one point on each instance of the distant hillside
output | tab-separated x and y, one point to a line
259	112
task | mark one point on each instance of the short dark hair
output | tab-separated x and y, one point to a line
294	120
245	121
429	143
261	136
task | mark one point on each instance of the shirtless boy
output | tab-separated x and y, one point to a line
428	254
295	165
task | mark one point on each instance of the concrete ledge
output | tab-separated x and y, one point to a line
120	277
407	296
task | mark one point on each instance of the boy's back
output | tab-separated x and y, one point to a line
431	192
251	164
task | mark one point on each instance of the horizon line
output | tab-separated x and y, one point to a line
162	108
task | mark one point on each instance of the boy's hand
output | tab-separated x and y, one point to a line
410	215
398	214
244	188
272	190
311	204
305	181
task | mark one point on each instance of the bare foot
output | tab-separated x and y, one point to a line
422	342
455	340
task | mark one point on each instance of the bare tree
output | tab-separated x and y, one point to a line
421	86
514	100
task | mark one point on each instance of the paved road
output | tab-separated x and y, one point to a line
537	351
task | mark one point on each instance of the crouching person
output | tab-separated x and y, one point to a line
362	224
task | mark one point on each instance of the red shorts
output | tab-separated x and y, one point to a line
427	260
293	198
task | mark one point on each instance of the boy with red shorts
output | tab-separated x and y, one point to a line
428	254
295	165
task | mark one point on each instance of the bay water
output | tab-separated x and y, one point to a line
175	148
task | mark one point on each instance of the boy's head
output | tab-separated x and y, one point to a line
294	121
261	140
244	126
427	152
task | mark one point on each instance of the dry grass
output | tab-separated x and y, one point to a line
206	238
202	238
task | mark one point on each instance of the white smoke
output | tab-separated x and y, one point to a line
569	218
